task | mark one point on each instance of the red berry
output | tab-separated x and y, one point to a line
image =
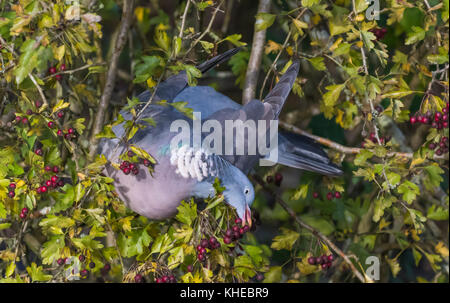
18	119
237	235
278	179
62	67
59	133
12	186
24	120
84	272
172	279
43	189
259	277
55	169
315	195
165	279
330	196
29	112
227	240
437	116
82	258
52	70
60	114
54	178
67	136
203	243
37	103
138	278
236	228
58	77
22	215
246	228
312	261
425	120
432	146
229	233
60	183
445	124
330	258
11	194
190	268
238	221
60	261
146	163
70	131
324	266
47	168
337	195
50	124
135	171
48	183
439	152
38	152
126	171
241	231
158	280
130	153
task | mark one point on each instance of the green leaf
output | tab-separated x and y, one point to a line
324	226
28	60
318	63
409	191
416	35
330	98
263	21
434	179
381	204
437	213
37	274
273	275
362	157
187	212
285	240
51	250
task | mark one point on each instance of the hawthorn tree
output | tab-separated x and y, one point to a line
373	90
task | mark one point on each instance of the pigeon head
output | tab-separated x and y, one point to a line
239	193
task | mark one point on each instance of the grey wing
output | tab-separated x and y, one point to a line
175	84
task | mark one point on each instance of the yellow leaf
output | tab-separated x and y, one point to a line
272	47
360	18
150	82
416	161
336	44
441	249
383	223
316	19
359	44
289	50
59	52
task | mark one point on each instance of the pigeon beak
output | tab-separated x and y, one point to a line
248	217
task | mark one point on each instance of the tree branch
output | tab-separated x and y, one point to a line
315	232
259	39
127	16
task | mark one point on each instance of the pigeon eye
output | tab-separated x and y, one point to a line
246	191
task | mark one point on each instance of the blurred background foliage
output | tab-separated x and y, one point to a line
359	84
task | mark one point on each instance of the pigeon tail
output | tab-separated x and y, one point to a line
277	96
213	62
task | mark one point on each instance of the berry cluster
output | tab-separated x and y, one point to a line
379	32
210	243
438	120
236	232
277	179
52	70
324	261
166	279
442	147
24	213
330	195
128	167
53	182
12	188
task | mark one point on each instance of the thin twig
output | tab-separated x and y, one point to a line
315	232
208	28
41	93
127	16
259	39
183	20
